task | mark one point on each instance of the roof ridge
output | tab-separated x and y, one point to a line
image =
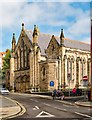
64	38
76	41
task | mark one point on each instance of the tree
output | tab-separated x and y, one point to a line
0	73
6	62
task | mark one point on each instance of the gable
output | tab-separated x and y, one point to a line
53	48
23	39
45	39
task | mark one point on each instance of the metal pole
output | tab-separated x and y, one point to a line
69	87
69	82
58	74
91	57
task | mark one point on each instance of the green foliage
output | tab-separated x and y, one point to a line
6	62
0	73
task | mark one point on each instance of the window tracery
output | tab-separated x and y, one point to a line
77	69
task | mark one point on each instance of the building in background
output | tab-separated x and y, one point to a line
43	62
2	54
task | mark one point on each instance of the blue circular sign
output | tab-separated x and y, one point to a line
51	83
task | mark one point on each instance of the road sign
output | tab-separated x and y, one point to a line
85	78
51	83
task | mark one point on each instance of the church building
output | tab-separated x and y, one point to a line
43	62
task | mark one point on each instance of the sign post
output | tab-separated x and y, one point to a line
85	83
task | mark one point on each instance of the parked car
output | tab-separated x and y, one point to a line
4	91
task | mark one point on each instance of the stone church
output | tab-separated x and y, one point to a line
43	62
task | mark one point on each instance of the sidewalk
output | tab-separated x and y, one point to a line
10	111
84	104
65	101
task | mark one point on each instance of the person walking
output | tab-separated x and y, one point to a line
74	91
54	93
89	94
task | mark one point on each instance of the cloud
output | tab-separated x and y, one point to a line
42	13
13	1
75	21
87	40
80	27
59	0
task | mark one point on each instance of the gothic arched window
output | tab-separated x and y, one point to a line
84	67
43	71
77	69
89	69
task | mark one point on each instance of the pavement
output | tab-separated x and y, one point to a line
83	102
16	109
10	108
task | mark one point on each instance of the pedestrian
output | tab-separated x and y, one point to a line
54	93
77	91
74	91
58	93
89	94
62	95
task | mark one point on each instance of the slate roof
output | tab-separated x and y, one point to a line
44	39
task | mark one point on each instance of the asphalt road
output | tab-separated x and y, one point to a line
40	108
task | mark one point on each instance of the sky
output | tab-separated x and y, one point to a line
49	15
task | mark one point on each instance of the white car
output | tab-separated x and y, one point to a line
4	91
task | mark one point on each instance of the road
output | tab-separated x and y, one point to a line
38	107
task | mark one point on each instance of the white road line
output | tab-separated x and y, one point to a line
37	107
89	109
46	114
83	114
66	105
46	104
34	109
34	100
60	109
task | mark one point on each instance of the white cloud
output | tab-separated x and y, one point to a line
59	0
46	13
13	1
87	40
49	13
31	13
9	13
80	27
